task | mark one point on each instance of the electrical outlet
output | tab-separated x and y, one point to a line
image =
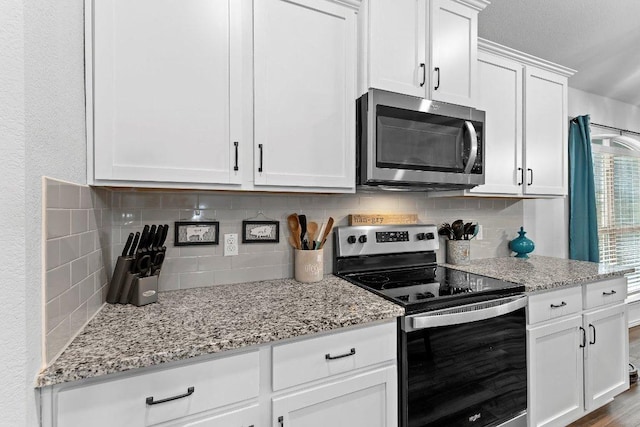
480	235
231	244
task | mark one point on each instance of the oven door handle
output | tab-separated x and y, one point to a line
473	142
467	313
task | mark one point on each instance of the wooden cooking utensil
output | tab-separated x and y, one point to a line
327	230
294	228
292	241
312	230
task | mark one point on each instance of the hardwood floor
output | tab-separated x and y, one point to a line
624	411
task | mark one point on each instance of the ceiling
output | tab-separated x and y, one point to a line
598	38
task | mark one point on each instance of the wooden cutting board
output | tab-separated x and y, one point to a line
378	219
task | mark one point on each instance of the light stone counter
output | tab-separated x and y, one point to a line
195	322
540	273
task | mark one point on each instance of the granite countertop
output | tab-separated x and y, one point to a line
540	273
195	322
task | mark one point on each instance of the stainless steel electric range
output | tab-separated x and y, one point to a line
461	343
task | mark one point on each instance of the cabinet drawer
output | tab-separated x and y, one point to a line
553	304
605	292
302	361
124	401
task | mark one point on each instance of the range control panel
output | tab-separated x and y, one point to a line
385	239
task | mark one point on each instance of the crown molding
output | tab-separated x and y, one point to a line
478	5
507	52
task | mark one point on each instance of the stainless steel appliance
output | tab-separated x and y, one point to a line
410	143
462	341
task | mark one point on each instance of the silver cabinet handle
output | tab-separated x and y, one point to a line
562	304
340	356
189	392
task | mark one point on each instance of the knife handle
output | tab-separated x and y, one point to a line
143	237
132	250
151	238
163	238
127	245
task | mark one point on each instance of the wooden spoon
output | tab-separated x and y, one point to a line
312	230
294	228
327	230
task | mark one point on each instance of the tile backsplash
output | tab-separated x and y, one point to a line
195	266
77	233
86	229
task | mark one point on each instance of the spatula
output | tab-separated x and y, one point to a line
294	228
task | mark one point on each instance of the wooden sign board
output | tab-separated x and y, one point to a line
378	219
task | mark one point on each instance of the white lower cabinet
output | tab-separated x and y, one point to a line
330	386
578	361
365	400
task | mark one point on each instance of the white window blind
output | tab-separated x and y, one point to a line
617	184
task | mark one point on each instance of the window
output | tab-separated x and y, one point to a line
616	164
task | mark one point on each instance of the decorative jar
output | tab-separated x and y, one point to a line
521	245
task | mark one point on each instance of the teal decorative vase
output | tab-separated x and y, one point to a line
521	245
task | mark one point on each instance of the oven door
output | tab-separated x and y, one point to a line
464	366
414	141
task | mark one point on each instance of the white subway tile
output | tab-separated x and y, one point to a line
58	280
79	220
180	265
181	200
196	279
70	300
52	254
70	196
58	223
78	318
86	201
79	270
56	340
87	288
87	242
168	282
53	317
52	193
213	263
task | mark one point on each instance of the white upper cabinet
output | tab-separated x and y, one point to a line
397	45
525	101
546	134
425	48
304	84
232	95
454	51
500	96
160	91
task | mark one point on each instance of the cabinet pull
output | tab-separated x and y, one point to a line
609	293
562	304
280	421
235	167
340	356
521	176
530	182
594	333
260	166
189	392
437	70
584	338
424	73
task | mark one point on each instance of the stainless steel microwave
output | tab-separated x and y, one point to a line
410	143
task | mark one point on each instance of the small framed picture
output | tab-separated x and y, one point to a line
189	233
260	231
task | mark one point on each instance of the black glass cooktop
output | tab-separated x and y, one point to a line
432	287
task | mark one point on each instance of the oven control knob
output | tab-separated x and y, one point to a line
421	236
430	236
362	239
351	239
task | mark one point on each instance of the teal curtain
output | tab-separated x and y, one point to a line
583	221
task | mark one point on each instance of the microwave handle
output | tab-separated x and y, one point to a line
473	153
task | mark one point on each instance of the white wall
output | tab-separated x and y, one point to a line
42	131
604	111
12	208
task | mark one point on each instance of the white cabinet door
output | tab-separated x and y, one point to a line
606	355
500	96
545	132
366	400
246	417
305	76
555	373
454	51
161	91
397	46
